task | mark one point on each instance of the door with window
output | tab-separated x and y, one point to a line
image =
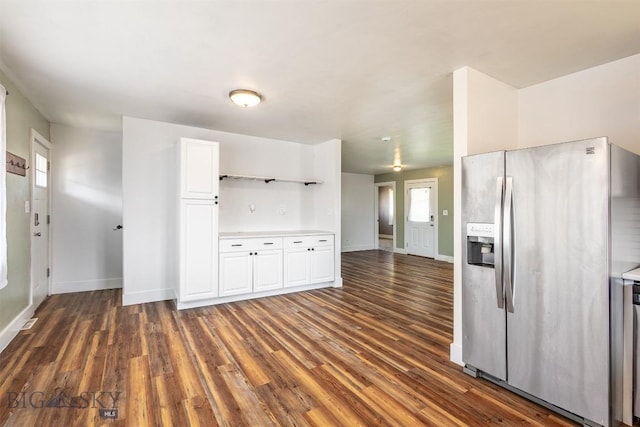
40	221
421	217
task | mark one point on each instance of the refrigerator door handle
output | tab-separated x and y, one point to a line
497	240
507	234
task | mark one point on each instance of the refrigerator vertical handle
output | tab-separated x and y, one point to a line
497	240
507	234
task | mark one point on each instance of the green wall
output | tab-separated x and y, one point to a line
21	116
445	202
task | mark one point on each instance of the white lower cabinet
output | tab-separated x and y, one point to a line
250	265
308	260
198	248
259	264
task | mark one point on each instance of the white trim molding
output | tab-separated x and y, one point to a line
445	258
86	285
13	328
153	295
357	248
455	354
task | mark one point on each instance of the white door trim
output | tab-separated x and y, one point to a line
376	222
36	138
434	182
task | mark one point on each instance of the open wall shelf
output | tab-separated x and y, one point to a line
268	179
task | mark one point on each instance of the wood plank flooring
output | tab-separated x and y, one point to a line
374	353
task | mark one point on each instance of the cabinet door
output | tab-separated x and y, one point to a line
267	270
322	264
296	267
236	273
199	171
198	249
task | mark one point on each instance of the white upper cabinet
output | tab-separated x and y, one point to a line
199	172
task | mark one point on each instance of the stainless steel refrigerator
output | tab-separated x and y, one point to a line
547	233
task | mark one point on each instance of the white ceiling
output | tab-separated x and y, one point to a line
353	70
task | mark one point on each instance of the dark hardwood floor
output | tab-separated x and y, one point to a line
375	352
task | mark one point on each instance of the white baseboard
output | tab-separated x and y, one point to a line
86	285
455	353
400	250
357	248
234	298
338	282
446	258
148	296
13	328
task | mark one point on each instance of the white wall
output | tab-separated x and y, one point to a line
600	101
358	212
149	182
485	119
86	203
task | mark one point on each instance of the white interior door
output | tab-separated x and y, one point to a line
421	217
40	222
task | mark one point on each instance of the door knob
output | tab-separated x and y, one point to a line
38	234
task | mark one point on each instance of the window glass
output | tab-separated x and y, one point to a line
41	171
419	204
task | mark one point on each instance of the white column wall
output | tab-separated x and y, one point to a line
358	212
328	203
485	119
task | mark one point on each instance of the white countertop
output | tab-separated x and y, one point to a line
632	275
248	234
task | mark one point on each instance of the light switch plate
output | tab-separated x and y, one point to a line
27	207
445	212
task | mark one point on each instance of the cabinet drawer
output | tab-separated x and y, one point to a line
297	242
308	241
234	245
324	240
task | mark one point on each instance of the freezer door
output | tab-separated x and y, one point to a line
558	332
483	315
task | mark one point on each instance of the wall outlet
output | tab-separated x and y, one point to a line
252	208
282	210
27	207
445	212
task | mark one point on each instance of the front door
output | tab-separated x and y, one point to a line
420	208
40	223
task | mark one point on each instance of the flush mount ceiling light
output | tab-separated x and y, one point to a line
245	97
397	168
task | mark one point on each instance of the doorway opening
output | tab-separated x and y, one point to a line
385	207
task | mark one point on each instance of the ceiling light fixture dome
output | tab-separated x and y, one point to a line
397	168
245	97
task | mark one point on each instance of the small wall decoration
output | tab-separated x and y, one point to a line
16	164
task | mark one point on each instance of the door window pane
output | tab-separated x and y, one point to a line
41	171
419	204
